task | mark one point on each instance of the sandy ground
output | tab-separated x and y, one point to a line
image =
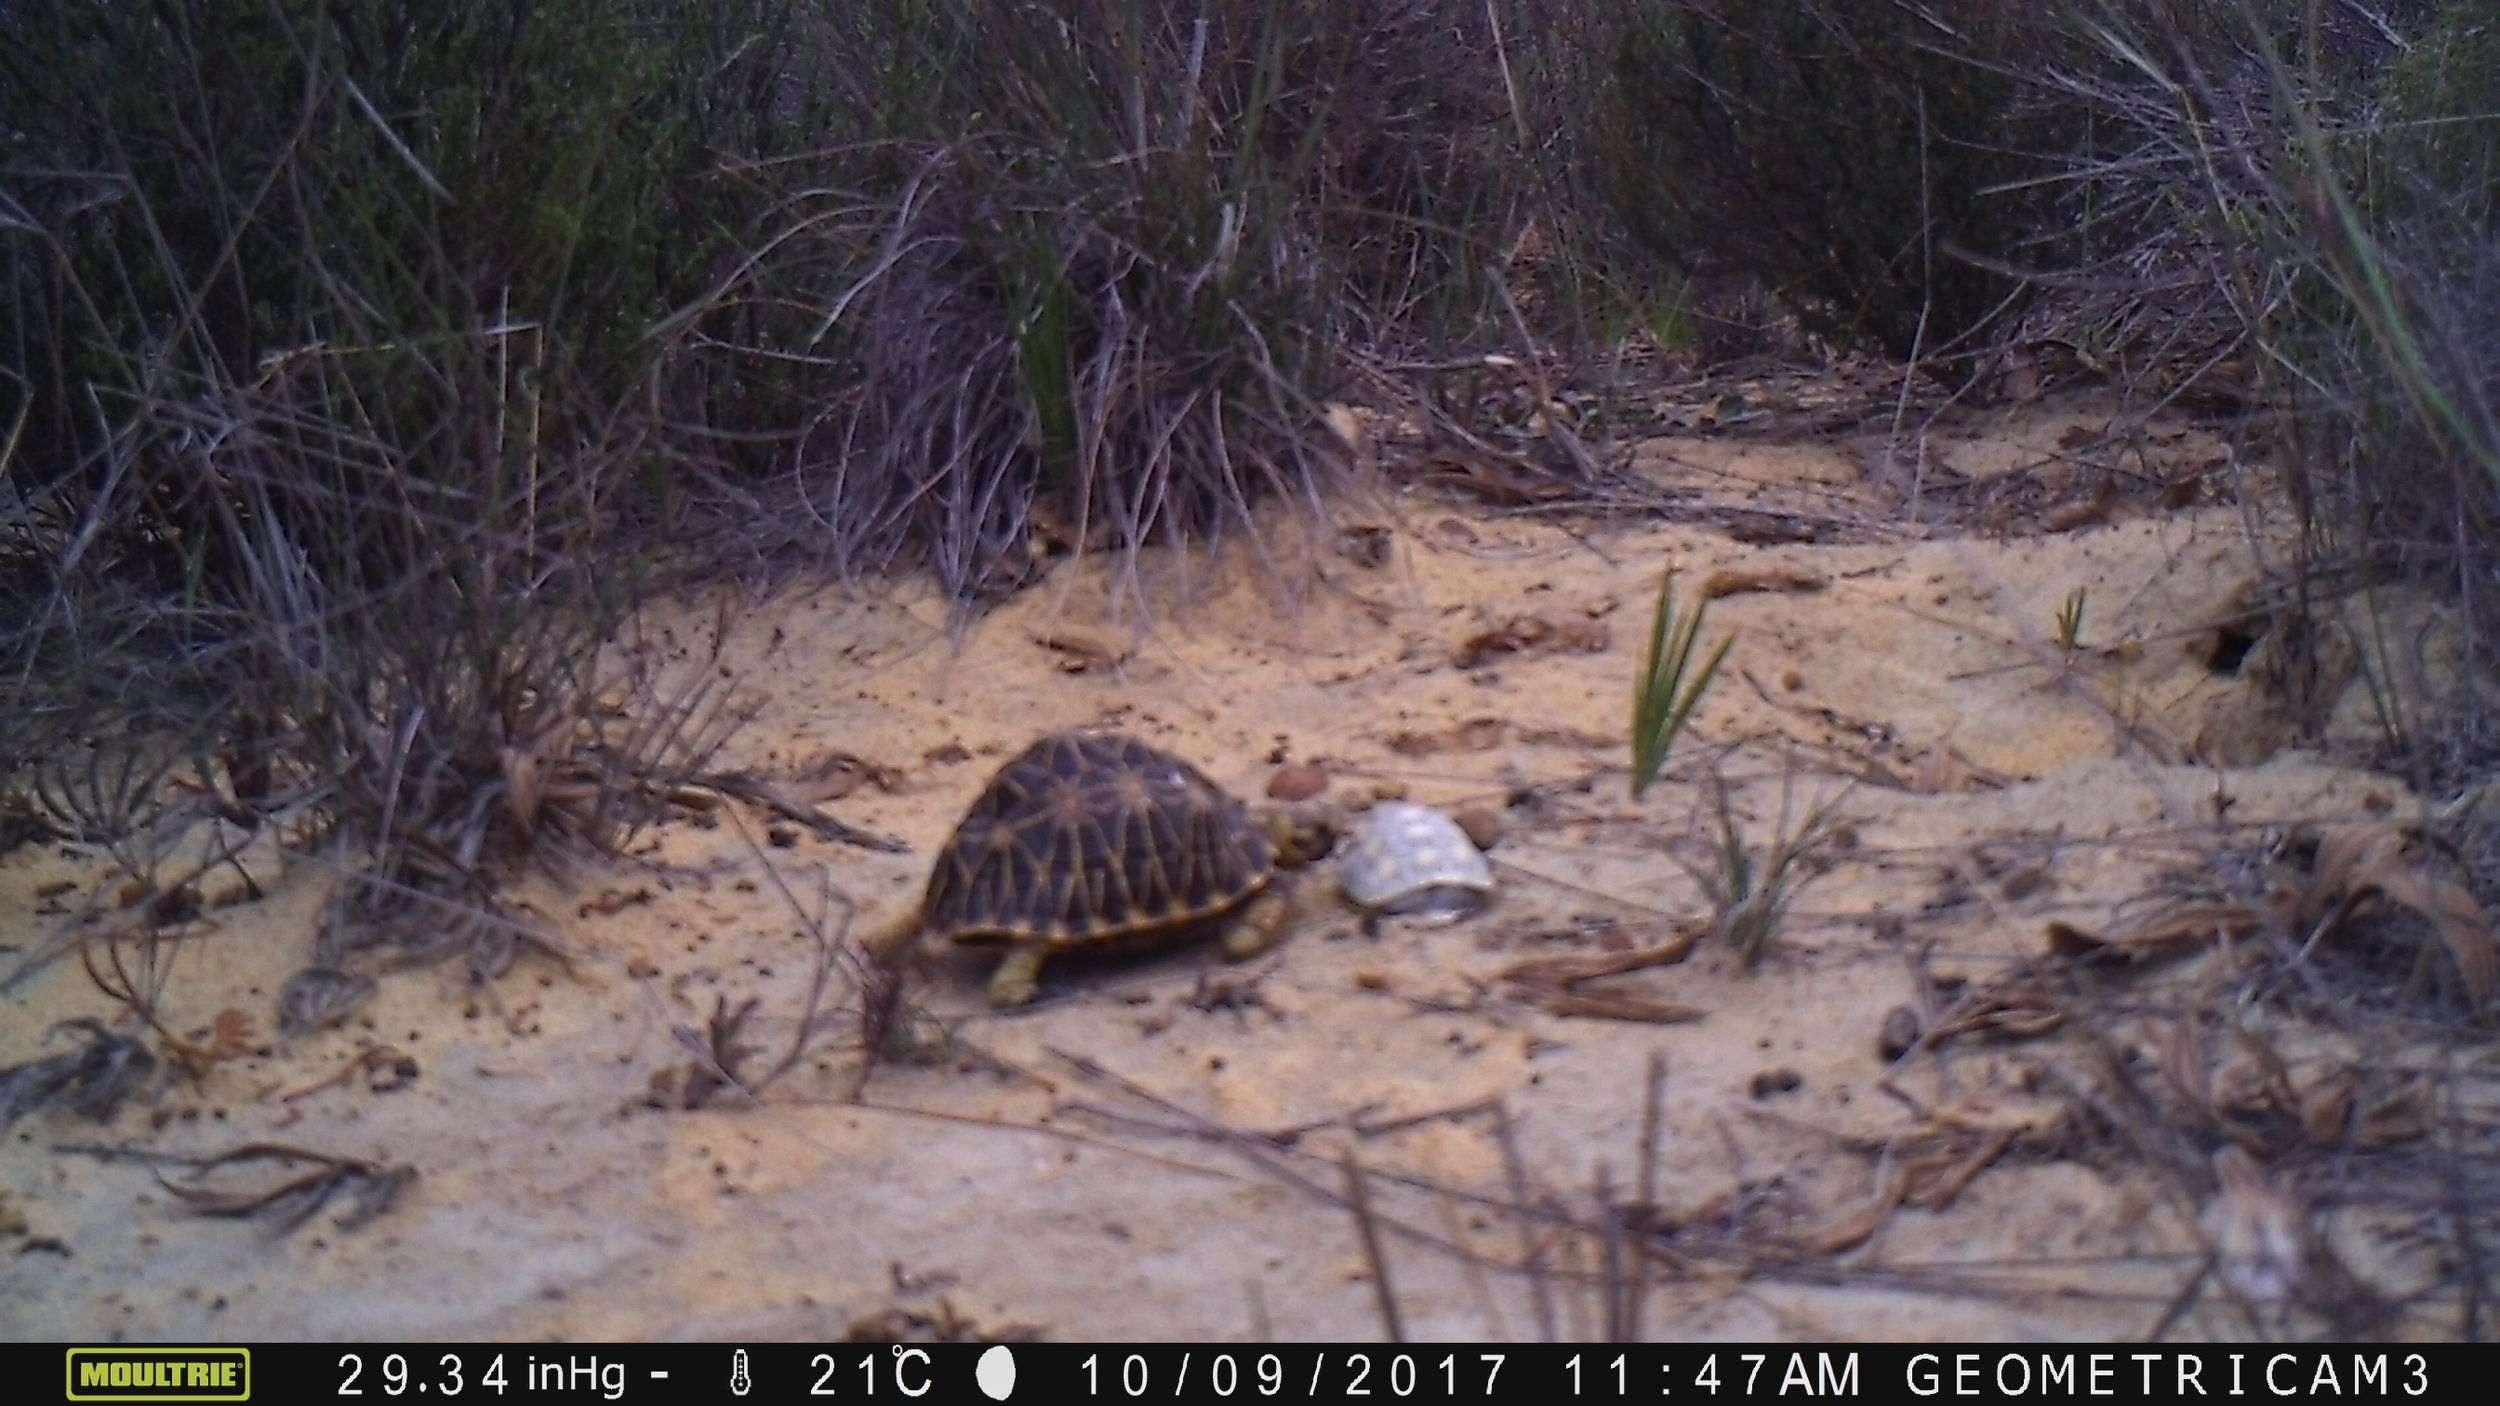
1157	1148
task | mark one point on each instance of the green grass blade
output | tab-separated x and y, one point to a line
1667	689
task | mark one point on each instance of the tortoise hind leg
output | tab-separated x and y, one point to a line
1019	975
1260	926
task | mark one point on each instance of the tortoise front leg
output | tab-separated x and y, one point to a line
1019	975
1262	924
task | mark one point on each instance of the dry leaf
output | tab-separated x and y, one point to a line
2399	1116
1522	633
1935	1181
2009	1010
1758	528
1553	983
2459	920
370	1187
1931	1166
230	1034
2348	857
1474	735
1084	651
1781	579
1567	971
1854	1228
2185	924
2326	1108
2085	512
1502	480
1570	737
2356	862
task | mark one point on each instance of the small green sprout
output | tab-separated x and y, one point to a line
2070	622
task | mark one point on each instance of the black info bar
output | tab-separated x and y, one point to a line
939	1374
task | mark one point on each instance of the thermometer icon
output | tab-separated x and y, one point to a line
739	1381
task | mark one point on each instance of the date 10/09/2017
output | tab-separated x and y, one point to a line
1355	1374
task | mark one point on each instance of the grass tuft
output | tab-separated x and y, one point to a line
1668	688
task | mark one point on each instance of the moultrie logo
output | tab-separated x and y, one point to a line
160	1374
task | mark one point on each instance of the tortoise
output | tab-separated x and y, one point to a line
1407	858
1099	842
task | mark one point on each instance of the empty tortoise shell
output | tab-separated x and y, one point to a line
1404	858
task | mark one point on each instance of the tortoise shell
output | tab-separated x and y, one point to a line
1092	838
1406	858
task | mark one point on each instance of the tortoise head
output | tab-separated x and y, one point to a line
1300	833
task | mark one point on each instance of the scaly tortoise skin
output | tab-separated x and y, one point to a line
1100	842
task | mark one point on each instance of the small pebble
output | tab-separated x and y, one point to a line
1297	781
1483	825
1901	1032
1777	1081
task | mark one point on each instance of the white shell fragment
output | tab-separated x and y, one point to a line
1406	858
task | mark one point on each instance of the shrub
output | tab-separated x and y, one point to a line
1091	264
326	317
2330	190
1875	164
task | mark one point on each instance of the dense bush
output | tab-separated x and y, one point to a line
2401	225
216	181
2438	148
324	317
2324	182
1094	262
1877	165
